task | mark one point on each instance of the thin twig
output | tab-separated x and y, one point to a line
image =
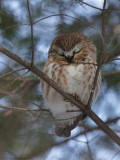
100	9
96	80
38	150
1	76
22	109
21	79
112	73
115	155
114	59
79	1
37	80
32	37
103	31
36	21
97	74
54	15
89	149
103	19
18	77
110	57
62	14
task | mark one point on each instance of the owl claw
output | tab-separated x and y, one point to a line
63	132
67	132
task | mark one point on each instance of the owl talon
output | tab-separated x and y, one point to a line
64	132
67	132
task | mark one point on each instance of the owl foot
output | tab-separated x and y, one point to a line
63	132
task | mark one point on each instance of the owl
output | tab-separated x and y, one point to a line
72	65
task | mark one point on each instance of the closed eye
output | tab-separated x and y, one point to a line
77	48
60	51
77	51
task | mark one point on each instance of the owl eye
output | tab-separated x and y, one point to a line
77	49
60	52
74	52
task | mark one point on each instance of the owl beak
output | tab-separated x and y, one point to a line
69	58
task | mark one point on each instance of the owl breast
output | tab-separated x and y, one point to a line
74	79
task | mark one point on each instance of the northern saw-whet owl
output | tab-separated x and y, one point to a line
72	65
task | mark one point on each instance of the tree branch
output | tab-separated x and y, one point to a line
100	9
22	109
77	103
100	57
112	73
81	1
37	151
111	57
31	27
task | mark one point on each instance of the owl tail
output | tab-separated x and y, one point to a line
62	131
65	130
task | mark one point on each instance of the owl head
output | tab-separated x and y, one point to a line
72	48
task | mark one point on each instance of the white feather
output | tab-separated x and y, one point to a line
56	103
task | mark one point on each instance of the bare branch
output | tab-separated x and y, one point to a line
112	73
103	18
99	60
21	109
1	76
54	15
91	129
89	149
37	151
32	38
115	155
111	57
100	9
81	2
20	79
77	103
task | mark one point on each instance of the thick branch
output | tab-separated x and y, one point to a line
77	103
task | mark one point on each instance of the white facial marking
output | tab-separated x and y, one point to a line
77	48
60	51
70	53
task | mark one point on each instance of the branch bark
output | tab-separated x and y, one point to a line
77	103
31	28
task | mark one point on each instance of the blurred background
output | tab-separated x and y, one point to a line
27	132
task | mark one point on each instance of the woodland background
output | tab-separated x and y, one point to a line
27	28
